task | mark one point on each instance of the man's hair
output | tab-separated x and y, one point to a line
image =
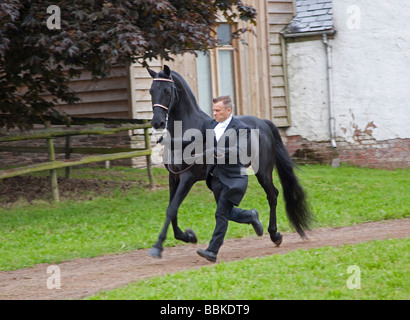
226	101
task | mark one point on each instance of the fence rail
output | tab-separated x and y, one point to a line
97	128
63	132
57	164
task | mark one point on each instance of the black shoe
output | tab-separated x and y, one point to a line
256	224
208	255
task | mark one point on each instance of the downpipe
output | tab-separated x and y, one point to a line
332	123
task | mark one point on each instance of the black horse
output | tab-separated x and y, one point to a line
174	103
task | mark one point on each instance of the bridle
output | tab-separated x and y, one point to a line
172	94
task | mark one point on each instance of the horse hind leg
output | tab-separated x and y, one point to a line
275	236
266	181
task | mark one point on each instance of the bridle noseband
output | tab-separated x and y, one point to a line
160	105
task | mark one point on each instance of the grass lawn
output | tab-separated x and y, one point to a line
44	232
304	274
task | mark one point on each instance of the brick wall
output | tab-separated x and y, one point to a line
365	151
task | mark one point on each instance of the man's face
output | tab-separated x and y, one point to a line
220	112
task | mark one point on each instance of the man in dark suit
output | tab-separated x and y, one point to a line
226	175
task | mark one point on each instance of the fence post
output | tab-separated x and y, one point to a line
148	147
68	154
53	172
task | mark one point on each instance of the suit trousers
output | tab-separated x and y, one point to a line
225	211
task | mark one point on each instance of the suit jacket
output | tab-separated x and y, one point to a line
224	161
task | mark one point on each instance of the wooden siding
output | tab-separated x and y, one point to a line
140	83
261	82
253	67
106	98
279	14
123	94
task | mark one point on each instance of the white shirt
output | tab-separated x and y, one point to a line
221	127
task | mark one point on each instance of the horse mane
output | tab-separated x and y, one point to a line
182	85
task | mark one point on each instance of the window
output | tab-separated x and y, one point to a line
203	69
215	70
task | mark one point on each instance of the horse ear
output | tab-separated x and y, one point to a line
167	71
152	73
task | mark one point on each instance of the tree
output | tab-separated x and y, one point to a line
43	47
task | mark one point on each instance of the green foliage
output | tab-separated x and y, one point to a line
94	35
303	274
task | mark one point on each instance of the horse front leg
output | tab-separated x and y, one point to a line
178	192
189	234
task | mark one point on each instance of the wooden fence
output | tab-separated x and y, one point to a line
89	126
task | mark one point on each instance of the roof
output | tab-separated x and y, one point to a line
311	16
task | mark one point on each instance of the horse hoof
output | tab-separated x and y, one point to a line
192	236
155	253
277	239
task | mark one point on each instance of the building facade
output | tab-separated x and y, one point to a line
353	82
332	75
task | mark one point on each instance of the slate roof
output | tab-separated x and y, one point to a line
311	16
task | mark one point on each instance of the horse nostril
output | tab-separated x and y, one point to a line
158	125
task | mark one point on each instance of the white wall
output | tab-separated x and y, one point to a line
371	74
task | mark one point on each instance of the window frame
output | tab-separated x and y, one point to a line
214	68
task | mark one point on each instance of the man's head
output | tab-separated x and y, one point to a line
222	108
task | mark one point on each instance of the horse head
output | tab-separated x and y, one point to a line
163	94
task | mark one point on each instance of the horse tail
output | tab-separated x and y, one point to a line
297	208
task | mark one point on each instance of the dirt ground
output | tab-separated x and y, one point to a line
84	277
29	188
